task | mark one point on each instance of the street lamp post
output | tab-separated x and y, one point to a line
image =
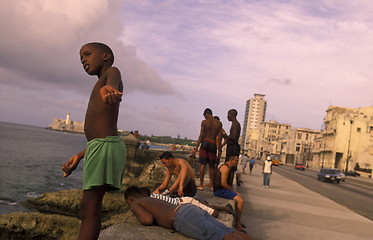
349	144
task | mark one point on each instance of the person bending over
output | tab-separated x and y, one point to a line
184	184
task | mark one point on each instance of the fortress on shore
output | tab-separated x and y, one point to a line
67	125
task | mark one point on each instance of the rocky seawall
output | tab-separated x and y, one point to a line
56	215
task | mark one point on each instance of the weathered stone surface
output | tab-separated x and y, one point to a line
16	226
66	202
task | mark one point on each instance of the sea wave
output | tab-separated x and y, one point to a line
11	203
33	195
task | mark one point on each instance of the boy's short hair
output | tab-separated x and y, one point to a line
132	191
207	111
234	112
145	191
166	155
105	48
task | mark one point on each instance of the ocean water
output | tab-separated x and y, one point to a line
30	162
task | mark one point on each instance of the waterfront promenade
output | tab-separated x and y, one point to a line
286	210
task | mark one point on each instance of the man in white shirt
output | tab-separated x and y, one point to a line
267	171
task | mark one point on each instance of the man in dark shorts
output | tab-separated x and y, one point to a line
210	141
224	190
233	147
186	219
184	184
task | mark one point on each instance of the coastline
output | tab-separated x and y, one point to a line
55	214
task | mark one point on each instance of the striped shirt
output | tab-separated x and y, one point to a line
173	201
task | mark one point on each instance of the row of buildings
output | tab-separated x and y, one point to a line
345	142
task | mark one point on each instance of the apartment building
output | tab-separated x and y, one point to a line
298	145
346	140
255	112
271	138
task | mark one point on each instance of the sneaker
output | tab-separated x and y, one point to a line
267	186
264	186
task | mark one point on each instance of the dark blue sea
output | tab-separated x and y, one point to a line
30	161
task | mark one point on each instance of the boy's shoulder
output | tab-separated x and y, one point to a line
112	69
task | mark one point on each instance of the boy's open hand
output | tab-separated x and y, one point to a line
110	95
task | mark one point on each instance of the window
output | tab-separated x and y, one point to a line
358	129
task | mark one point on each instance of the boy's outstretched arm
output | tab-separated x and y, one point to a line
72	163
111	92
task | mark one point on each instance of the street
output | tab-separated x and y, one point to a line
354	193
298	206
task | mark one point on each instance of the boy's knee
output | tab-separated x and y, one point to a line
239	199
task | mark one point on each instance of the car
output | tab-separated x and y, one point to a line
299	166
352	173
343	176
275	162
329	174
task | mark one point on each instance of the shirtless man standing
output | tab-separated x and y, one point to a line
210	141
185	184
186	219
233	147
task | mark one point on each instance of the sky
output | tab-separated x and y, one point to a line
178	57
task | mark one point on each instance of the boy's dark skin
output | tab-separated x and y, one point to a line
180	168
149	211
232	141
224	170
211	130
100	122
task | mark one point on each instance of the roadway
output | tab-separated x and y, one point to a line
298	206
353	193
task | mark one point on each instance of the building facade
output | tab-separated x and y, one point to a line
271	138
347	139
254	115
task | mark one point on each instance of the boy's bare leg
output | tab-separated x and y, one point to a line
90	213
239	208
211	175
201	176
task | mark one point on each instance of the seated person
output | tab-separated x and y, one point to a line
184	184
211	209
186	219
224	190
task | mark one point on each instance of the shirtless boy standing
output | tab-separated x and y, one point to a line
233	147
210	141
185	183
105	155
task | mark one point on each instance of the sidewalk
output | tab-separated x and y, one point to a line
287	210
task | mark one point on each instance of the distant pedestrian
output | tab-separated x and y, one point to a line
267	171
251	164
244	160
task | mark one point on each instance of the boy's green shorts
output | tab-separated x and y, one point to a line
104	162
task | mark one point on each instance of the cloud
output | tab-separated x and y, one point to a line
284	82
41	40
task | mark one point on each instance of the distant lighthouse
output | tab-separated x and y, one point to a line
68	118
